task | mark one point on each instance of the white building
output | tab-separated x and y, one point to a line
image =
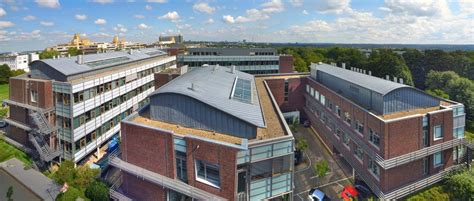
19	61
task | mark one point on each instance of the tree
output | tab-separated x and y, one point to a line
97	191
5	74
321	168
65	172
302	144
385	62
84	176
461	185
70	195
439	80
15	73
48	54
300	65
438	92
10	193
73	51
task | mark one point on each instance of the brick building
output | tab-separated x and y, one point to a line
397	138
71	107
213	133
249	60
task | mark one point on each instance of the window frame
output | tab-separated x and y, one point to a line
205	180
440	162
434	132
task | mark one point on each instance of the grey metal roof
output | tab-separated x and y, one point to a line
213	86
68	65
375	84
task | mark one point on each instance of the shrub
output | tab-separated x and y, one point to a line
302	144
461	185
70	195
436	192
321	168
97	191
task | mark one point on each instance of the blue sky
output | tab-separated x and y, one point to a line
37	24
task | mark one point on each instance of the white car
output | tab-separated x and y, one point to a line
317	195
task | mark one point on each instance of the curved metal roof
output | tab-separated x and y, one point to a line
68	65
214	86
375	84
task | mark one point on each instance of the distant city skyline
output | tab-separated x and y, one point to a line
37	24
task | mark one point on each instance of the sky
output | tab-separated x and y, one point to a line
37	24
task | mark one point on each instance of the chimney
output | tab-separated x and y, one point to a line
387	77
401	80
192	86
370	72
130	51
68	55
80	59
344	65
365	72
352	68
395	79
232	68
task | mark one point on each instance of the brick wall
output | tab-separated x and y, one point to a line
296	89
163	78
286	64
20	91
224	157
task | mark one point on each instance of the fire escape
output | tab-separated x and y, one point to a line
37	136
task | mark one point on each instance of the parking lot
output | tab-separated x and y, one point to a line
338	176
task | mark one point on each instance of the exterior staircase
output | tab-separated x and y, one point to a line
37	137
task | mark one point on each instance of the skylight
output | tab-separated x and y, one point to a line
155	53
107	61
243	91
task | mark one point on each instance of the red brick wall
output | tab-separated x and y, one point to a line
20	91
286	64
140	189
163	78
403	136
296	88
224	157
148	148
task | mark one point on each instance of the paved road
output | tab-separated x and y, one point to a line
340	173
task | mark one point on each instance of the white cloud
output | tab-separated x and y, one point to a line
228	19
103	1
47	24
305	12
48	3
418	8
273	6
148	7
467	6
209	21
296	2
157	1
184	26
172	16
139	16
2	12
4	24
204	8
100	21
102	35
80	17
120	28
252	15
333	6
143	26
29	18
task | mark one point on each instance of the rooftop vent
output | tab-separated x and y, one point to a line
387	77
192	86
130	51
395	79
344	65
401	80
80	59
232	69
370	72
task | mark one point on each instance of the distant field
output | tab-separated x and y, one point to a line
4	91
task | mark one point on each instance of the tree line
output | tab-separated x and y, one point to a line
6	73
448	75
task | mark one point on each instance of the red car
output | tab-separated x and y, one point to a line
349	193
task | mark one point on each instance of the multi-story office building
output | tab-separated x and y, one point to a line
396	137
213	133
18	61
249	60
170	40
73	106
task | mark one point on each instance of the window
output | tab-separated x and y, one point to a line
181	169
34	96
426	166
286	90
374	137
347	117
323	99
438	132
307	88
78	97
437	159
374	168
359	127
339	133
338	111
426	137
359	152
207	173
346	140
458	132
316	94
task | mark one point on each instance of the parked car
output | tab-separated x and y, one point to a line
3	124
298	157
349	193
317	195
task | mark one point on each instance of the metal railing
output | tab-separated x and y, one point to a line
383	163
40	120
161	180
45	152
468	143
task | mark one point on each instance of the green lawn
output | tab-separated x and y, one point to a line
8	151
4	88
